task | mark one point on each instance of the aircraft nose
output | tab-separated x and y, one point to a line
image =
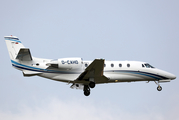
172	77
166	74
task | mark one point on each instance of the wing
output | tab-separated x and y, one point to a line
24	54
93	72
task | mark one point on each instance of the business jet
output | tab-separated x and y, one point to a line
83	74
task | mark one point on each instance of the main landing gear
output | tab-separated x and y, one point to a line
92	84
159	88
86	88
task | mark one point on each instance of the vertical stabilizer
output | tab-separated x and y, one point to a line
13	46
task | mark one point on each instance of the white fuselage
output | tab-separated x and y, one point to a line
82	74
116	71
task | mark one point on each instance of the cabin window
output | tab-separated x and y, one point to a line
86	65
112	65
120	65
37	64
128	65
104	65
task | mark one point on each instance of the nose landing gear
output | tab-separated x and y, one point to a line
159	88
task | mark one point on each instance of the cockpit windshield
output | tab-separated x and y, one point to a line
148	65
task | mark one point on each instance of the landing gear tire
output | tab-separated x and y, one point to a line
86	93
92	84
86	90
159	88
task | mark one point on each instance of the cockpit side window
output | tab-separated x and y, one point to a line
148	65
143	65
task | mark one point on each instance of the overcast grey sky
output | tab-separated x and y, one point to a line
115	30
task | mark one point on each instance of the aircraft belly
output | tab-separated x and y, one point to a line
60	77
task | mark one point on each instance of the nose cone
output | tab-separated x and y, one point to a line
172	77
166	74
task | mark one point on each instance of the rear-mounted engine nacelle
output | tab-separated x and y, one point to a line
67	63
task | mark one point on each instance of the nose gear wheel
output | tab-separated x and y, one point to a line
159	88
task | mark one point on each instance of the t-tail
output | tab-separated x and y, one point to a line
16	49
19	55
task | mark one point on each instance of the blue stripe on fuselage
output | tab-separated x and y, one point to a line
25	67
155	76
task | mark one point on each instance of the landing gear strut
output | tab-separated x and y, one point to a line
159	88
86	90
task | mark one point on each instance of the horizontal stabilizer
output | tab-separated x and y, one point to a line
30	73
24	55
